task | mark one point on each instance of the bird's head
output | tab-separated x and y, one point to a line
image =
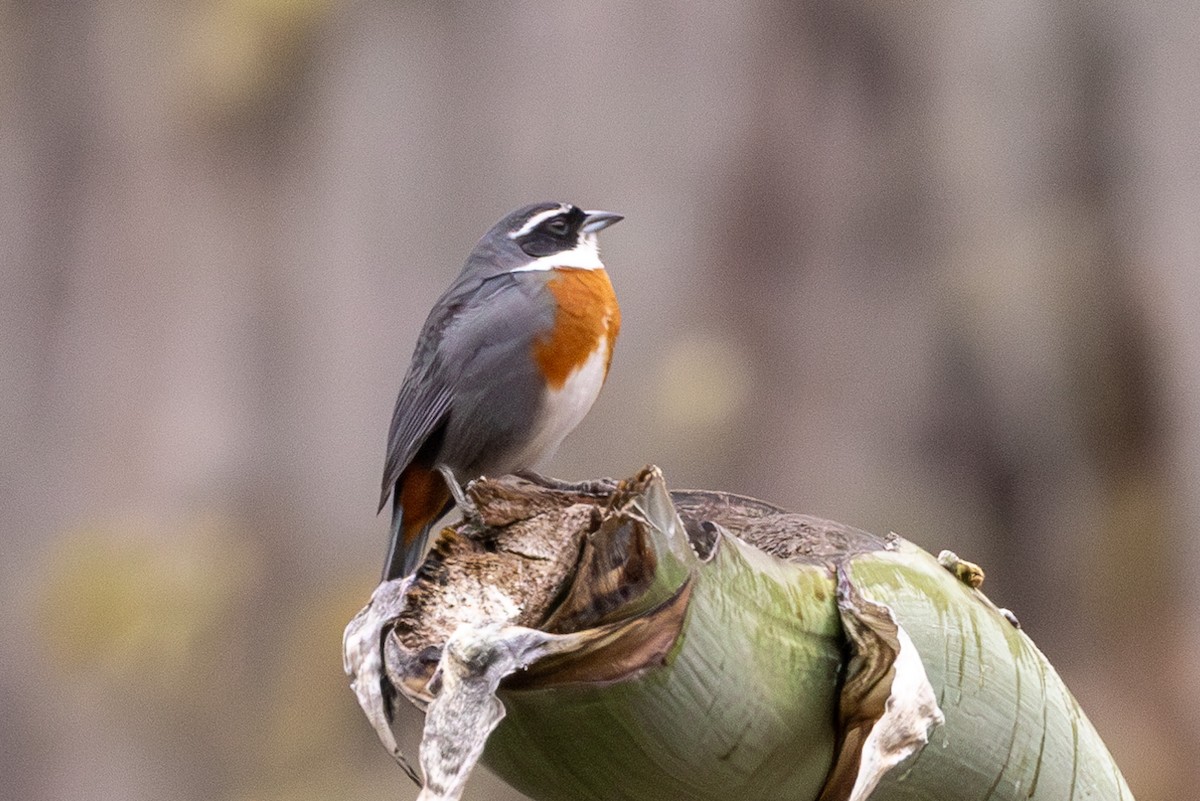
544	236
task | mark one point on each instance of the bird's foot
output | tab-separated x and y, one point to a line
595	486
466	507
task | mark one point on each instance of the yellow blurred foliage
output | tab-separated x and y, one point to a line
703	384
131	602
236	51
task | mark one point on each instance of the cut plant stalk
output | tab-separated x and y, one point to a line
636	643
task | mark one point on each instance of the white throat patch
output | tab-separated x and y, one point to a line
584	256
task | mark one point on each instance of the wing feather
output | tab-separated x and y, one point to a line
469	322
427	391
420	409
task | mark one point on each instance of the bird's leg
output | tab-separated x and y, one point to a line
595	486
466	506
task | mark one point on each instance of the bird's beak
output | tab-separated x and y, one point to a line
594	221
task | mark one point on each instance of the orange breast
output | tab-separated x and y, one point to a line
587	317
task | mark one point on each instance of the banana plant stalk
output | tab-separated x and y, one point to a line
620	641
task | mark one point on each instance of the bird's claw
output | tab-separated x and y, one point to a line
595	486
466	506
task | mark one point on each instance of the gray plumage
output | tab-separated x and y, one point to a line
472	387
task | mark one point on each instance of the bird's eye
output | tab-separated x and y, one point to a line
557	227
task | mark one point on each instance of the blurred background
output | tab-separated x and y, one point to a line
922	267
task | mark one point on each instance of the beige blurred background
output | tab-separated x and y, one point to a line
922	267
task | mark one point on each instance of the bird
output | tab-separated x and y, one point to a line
510	359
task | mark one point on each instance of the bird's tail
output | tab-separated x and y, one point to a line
397	562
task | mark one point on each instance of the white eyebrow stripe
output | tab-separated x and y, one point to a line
584	256
536	220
